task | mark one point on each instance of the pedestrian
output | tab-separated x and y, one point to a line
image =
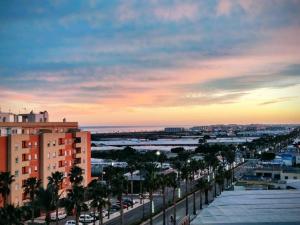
171	220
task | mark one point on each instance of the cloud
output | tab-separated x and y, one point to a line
278	100
177	12
224	7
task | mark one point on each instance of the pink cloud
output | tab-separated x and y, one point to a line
224	7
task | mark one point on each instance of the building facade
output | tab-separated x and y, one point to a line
36	149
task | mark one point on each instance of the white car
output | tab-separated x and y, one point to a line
61	215
71	222
85	218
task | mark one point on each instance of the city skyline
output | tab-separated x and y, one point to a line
152	62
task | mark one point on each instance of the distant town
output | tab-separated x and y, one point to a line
56	173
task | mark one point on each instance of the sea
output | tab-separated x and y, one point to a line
120	129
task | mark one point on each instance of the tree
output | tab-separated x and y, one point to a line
185	174
163	183
75	195
55	182
31	186
132	166
97	192
173	182
75	200
119	184
5	181
110	173
194	167
267	156
45	201
10	215
151	183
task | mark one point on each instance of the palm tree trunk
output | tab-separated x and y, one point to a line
76	217
194	203
186	197
151	200
121	212
108	211
215	189
56	211
164	206
47	219
32	212
200	199
94	222
174	206
100	215
131	190
206	197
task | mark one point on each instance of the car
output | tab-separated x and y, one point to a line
61	215
128	202
96	214
115	207
85	218
71	222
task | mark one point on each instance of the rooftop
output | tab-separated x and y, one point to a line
263	207
39	124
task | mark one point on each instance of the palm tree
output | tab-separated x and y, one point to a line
185	174
97	191
194	167
110	172
172	181
119	184
75	195
201	185
131	168
45	201
163	183
55	181
75	175
10	215
5	181
75	200
31	186
151	182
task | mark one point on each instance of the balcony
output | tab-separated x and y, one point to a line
78	151
77	161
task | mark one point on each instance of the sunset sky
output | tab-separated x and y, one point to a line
152	62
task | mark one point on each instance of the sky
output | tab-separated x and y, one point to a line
152	62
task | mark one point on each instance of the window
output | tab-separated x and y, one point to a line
29	170
54	143
35	143
54	154
35	168
48	144
29	144
24	144
48	155
17	159
16	147
24	157
48	167
24	170
29	157
17	187
54	166
35	156
70	163
16	173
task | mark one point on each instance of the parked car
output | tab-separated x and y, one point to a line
115	207
61	215
124	205
86	218
71	222
96	215
128	202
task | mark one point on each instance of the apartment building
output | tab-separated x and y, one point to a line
36	149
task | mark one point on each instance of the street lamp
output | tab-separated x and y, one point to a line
188	161
157	153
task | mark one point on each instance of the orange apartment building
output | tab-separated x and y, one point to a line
36	149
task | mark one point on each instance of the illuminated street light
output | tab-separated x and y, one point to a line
157	153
